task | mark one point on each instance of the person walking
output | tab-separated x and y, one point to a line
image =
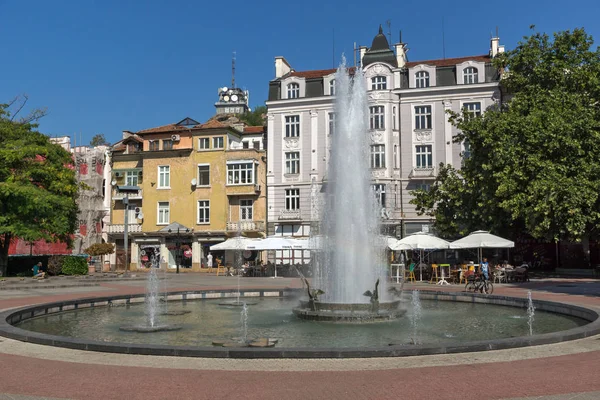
485	269
209	260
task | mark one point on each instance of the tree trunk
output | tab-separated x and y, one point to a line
585	241
4	245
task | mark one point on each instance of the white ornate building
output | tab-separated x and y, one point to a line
409	130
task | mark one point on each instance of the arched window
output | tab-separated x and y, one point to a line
378	83
422	79
470	75
293	91
332	87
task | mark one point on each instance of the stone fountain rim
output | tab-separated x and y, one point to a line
9	317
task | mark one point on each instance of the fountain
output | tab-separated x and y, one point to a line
237	262
349	274
243	340
530	312
416	316
153	308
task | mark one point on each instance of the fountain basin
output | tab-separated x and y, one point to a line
348	312
149	329
590	326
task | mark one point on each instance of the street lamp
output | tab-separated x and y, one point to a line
127	190
178	245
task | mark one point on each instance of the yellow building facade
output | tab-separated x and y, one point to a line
189	186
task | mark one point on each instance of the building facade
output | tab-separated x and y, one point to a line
410	134
198	184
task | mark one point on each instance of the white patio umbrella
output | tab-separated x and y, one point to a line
423	241
235	243
274	243
482	240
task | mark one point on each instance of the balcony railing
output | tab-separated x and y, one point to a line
120	228
246	226
290	214
116	195
422	173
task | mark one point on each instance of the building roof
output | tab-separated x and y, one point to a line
212	123
317	73
254	129
380	51
449	62
163	128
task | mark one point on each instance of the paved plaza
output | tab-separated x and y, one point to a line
559	371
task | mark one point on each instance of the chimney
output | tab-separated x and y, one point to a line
401	51
282	67
495	47
362	50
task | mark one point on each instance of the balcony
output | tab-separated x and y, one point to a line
246	226
420	173
243	190
120	228
290	215
116	195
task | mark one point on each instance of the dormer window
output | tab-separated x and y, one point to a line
379	83
470	75
332	87
422	79
153	145
293	91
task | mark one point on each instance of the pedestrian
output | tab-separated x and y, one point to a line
209	260
485	269
37	271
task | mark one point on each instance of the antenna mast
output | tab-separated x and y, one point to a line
233	71
389	26
443	40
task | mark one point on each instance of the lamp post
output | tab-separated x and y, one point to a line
178	245
127	190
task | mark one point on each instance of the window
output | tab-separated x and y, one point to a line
240	173
424	156
379	191
164	176
246	210
396	160
378	156
256	144
377	117
154	145
422	79
292	126
379	83
203	143
292	199
293	91
332	87
331	118
245	144
163	213
394	118
423	117
292	162
203	211
467	152
470	75
203	175
167	144
218	142
473	109
131	178
423	186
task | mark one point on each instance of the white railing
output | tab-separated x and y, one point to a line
422	173
120	228
120	195
246	226
289	214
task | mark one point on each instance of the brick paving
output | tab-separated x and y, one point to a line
552	374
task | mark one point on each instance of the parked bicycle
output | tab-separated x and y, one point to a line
479	284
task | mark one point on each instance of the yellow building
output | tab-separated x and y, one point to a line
198	185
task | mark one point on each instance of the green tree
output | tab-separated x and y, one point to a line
256	117
37	185
534	159
99	140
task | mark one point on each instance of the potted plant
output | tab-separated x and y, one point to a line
99	249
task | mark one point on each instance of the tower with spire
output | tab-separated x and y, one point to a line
232	100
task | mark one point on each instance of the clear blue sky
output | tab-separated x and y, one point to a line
103	66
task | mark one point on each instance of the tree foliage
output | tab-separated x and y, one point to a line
534	158
256	117
37	186
100	249
99	140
